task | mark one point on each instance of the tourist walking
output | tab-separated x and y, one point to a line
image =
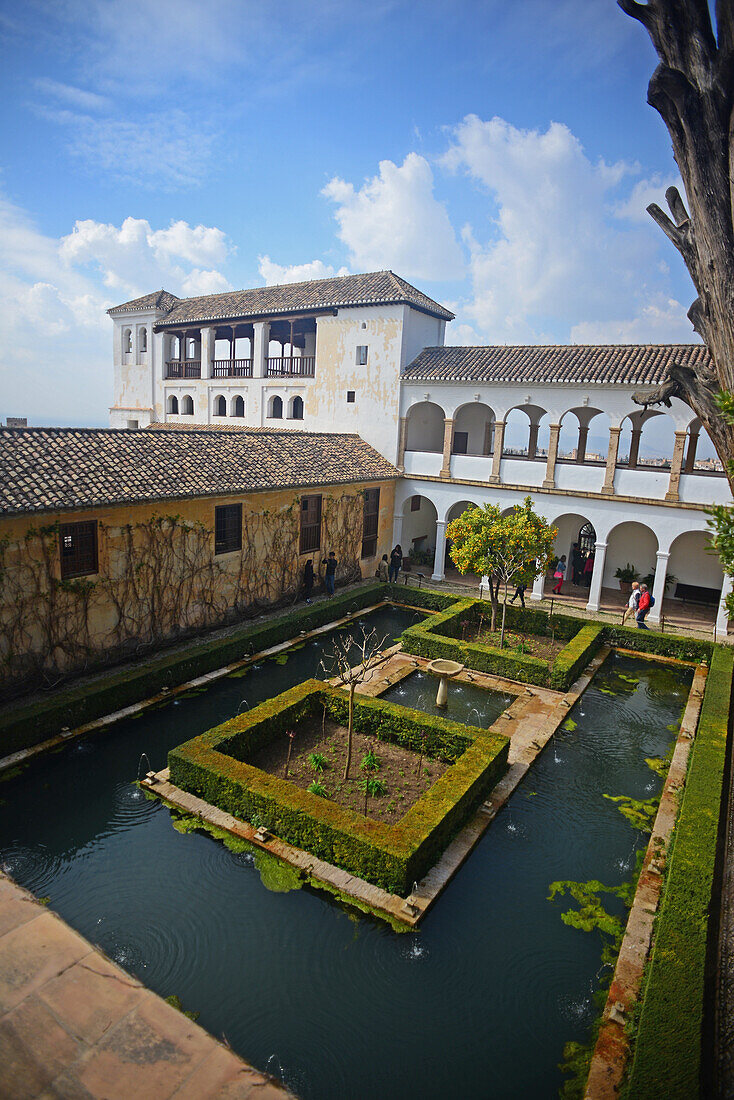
383	569
577	564
559	574
308	580
330	577
520	592
588	569
646	602
396	563
633	602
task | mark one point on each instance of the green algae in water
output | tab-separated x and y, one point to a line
641	815
175	1002
570	725
276	875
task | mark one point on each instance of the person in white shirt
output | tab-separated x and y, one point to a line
632	603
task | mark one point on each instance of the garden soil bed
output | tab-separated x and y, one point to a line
398	769
534	645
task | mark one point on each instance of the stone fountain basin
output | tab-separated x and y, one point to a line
444	668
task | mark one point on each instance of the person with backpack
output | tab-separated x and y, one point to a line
647	600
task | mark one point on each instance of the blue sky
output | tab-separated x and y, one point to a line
499	156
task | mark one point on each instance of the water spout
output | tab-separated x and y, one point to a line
140	761
243	702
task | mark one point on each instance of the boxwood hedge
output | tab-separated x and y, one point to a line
214	767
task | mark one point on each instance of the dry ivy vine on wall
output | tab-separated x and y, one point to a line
158	581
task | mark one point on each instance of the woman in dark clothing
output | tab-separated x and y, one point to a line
396	563
308	581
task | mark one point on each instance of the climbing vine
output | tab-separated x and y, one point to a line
158	580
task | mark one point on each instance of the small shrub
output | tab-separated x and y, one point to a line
318	761
370	762
373	787
318	788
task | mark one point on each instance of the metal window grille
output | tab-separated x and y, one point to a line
371	518
362	355
78	549
227	528
310	524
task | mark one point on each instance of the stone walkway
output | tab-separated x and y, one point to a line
74	1025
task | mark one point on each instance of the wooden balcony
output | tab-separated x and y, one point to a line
232	368
183	368
299	366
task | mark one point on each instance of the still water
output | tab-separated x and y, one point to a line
479	1003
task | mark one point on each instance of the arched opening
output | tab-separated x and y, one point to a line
522	427
454	512
629	543
220	405
187	405
275	408
190	348
473	430
576	539
296	409
127	341
425	428
700	454
173	404
419	531
238	406
143	340
694	570
646	441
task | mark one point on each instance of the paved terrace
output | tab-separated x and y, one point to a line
72	1024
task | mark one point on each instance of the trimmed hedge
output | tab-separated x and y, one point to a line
213	766
419	597
667	1049
439	636
660	645
25	724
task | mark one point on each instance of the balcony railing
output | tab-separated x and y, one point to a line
232	368
186	368
302	366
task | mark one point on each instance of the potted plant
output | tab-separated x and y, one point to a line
625	575
649	580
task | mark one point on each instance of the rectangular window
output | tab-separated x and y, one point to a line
310	524
371	518
461	442
362	355
415	504
78	549
227	528
350	397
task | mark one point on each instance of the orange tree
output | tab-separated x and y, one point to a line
507	549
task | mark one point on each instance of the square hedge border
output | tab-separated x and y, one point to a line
213	767
439	636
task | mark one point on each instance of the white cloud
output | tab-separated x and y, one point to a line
555	254
634	207
75	97
394	221
54	294
661	321
275	274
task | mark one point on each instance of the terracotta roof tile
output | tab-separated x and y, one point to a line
373	288
627	364
50	469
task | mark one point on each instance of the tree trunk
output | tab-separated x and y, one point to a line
352	688
504	615
693	91
494	600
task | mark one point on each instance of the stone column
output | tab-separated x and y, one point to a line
448	435
499	443
581	447
397	528
658	588
722	616
608	486
402	437
676	466
440	555
549	481
634	449
488	428
533	440
688	465
600	553
538	587
207	353
260	350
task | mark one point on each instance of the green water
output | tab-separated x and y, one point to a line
478	1004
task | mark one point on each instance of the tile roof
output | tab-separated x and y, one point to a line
628	364
159	299
374	288
50	469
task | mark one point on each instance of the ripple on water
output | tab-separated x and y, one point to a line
130	806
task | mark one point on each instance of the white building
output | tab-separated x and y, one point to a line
366	354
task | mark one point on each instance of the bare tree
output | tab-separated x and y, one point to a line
352	661
693	90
